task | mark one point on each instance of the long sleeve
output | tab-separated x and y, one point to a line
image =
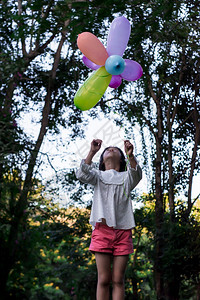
111	200
134	176
87	173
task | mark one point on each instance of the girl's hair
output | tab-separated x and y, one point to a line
122	161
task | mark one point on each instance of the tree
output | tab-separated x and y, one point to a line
165	101
30	31
164	39
53	260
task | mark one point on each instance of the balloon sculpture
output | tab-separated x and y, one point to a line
108	63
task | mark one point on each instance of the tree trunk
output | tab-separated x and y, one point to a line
9	250
173	287
159	208
159	281
171	177
159	211
198	291
135	293
194	153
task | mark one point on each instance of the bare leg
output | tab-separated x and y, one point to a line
119	267
103	262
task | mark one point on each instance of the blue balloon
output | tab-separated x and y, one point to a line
115	64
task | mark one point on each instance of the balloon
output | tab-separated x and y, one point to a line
115	65
90	64
109	65
115	81
118	36
132	71
93	89
92	48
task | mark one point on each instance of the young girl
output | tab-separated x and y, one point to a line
111	215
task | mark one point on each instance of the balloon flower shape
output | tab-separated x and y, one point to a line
108	63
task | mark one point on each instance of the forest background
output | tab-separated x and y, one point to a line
44	243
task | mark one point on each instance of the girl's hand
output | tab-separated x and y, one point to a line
95	146
128	147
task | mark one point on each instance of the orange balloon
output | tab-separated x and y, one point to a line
92	48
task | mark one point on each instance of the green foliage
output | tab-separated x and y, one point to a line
164	40
52	255
54	261
47	255
181	249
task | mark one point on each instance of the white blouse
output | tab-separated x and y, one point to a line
111	200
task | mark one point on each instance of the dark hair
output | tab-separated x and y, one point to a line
122	161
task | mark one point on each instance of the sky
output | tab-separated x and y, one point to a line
57	153
64	155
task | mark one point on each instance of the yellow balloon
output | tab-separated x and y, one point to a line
93	89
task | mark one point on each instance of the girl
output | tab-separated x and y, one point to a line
111	215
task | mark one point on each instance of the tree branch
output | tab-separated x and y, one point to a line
39	49
153	95
195	148
176	92
22	202
46	13
195	199
19	25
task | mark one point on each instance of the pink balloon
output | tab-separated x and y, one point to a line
132	71
90	64
118	36
116	80
92	48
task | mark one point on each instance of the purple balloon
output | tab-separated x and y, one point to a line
89	63
116	80
118	36
132	71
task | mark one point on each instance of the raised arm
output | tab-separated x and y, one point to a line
87	173
95	146
128	147
135	173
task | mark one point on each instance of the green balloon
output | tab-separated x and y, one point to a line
93	89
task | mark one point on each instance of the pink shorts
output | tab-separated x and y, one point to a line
109	240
